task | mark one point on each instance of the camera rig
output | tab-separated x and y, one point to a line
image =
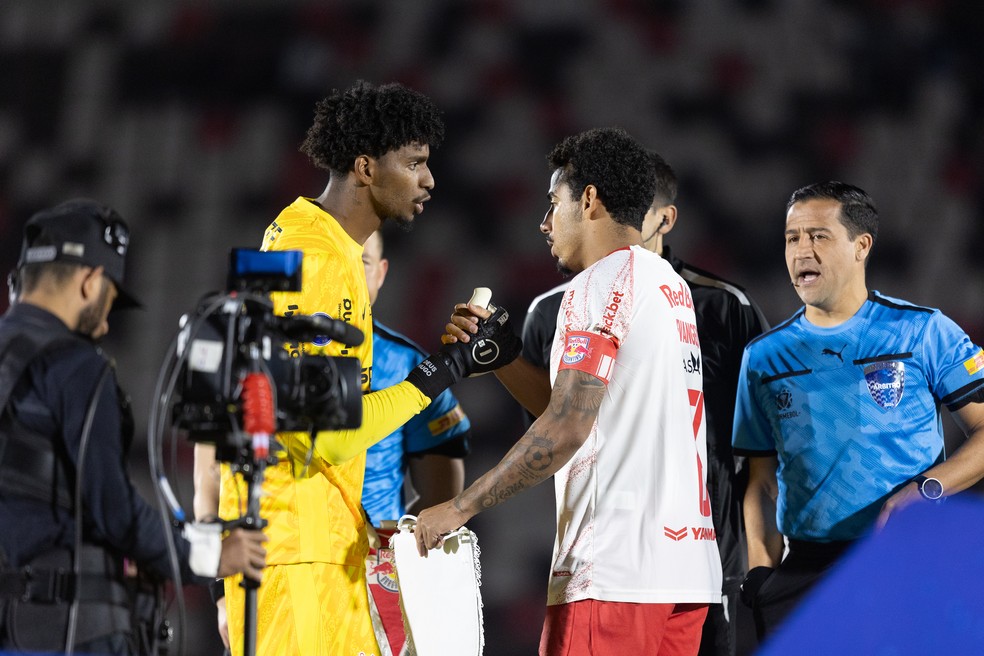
234	335
231	382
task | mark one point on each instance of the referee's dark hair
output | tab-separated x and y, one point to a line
858	212
666	182
370	120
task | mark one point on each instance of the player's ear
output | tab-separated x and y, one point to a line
862	246
364	168
590	203
91	281
384	266
668	217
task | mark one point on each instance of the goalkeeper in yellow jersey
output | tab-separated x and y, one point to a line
375	142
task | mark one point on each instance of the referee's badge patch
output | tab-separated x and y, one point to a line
976	363
886	382
577	349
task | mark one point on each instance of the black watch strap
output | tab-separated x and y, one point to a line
930	488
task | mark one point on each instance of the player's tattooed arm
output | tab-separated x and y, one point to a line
550	443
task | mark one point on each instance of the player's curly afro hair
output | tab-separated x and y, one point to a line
370	120
623	172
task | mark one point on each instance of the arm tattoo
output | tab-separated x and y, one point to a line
546	447
539	454
577	393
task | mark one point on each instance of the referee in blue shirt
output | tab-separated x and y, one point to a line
838	407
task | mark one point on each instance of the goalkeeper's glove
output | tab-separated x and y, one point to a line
494	345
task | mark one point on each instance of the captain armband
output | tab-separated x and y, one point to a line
591	353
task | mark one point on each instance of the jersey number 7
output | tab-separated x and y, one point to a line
697	403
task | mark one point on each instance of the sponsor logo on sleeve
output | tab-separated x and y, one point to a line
612	309
273	231
975	364
447	421
886	382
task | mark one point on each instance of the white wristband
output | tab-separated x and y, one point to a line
206	547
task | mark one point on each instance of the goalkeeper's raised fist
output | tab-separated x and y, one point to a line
493	345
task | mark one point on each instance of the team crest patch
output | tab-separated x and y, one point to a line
577	349
322	340
383	571
886	382
975	364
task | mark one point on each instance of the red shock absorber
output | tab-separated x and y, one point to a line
258	412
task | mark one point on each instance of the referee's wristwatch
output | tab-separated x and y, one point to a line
930	488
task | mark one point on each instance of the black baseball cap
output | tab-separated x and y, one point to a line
84	232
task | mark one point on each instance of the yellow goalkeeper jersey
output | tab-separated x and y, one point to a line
312	507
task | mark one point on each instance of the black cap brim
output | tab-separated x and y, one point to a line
125	301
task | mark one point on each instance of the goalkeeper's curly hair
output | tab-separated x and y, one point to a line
623	172
370	120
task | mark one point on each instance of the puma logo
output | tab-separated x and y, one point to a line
828	351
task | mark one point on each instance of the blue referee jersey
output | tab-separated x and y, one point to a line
442	427
852	411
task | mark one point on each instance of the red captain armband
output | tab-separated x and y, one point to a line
591	353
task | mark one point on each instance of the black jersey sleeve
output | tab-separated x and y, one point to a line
539	328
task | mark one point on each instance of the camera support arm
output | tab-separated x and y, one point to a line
260	422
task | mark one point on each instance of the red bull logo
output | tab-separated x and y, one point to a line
381	570
386	569
677	297
576	349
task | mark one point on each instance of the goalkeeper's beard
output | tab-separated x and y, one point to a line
405	223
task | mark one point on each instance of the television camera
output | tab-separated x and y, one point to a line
234	339
232	382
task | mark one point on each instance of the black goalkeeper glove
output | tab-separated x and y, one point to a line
494	345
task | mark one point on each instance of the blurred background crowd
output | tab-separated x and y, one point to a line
187	117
